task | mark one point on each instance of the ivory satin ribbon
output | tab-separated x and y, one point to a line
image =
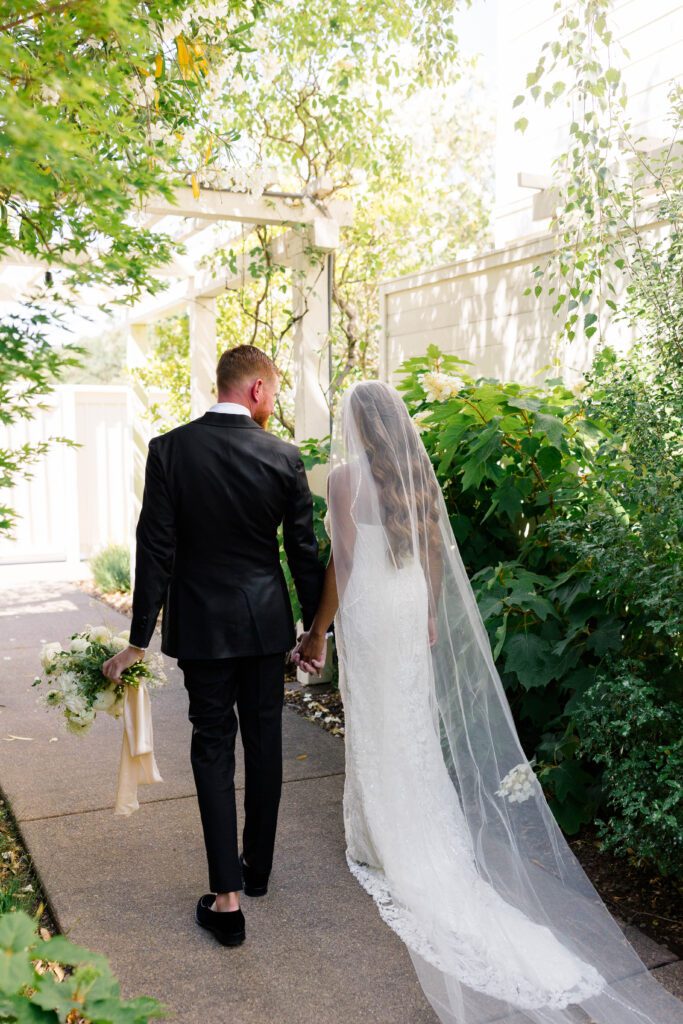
137	764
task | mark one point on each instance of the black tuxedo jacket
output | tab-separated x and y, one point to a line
216	491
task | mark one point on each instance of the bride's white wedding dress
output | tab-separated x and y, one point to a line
447	826
407	840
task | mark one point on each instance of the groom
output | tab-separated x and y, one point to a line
216	491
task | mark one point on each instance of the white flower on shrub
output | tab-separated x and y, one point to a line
99	635
49	95
78	645
49	653
518	784
419	420
440	386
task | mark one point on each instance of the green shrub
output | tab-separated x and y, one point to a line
111	568
28	995
509	458
627	727
568	511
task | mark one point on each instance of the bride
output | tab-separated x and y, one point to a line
446	824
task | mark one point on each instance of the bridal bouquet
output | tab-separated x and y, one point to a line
77	685
79	688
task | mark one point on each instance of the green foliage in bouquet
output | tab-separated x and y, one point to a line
30	992
77	684
111	569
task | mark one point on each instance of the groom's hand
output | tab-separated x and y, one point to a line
113	667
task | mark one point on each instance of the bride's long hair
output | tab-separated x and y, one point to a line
384	496
389	439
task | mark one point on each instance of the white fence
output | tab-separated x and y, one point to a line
476	309
77	499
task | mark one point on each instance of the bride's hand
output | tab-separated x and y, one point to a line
433	635
310	652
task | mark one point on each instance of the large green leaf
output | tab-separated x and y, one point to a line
17	931
61	950
15	971
21	1011
530	657
551	426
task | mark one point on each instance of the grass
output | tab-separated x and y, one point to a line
20	888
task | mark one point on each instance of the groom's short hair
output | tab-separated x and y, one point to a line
242	362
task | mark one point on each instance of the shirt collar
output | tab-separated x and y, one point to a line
231	407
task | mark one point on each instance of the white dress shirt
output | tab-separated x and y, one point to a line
236	408
233	407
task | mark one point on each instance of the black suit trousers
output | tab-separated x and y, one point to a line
254	683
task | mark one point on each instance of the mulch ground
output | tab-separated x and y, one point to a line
637	895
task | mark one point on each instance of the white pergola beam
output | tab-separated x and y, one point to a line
287	250
239	206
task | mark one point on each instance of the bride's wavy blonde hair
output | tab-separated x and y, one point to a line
399	463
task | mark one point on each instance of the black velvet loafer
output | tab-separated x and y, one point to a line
255	884
226	925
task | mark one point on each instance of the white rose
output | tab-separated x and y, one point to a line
119	643
78	645
67	682
48	654
75	703
104	699
99	635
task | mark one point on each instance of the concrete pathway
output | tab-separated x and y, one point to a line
317	951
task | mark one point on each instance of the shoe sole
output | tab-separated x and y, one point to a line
225	940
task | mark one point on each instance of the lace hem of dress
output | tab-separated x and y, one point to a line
481	977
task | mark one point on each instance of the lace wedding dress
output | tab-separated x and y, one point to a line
465	864
407	840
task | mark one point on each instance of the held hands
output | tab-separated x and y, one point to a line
310	652
113	667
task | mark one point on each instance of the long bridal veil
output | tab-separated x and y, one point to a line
383	484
